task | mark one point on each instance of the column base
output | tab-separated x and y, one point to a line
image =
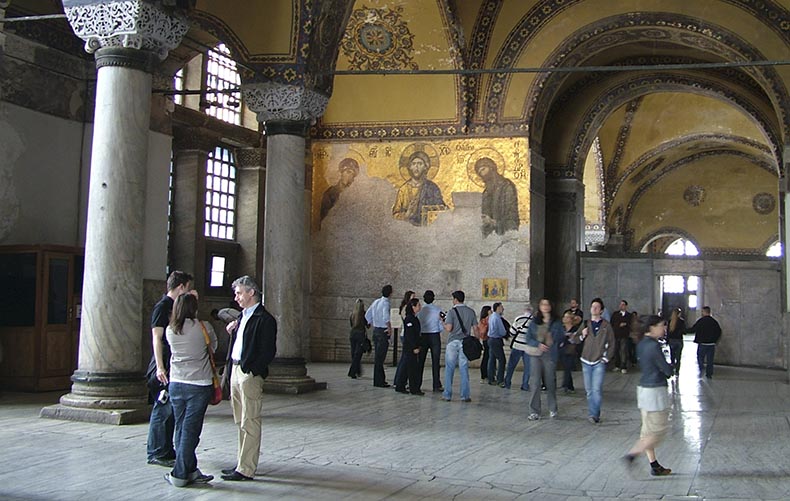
289	376
106	398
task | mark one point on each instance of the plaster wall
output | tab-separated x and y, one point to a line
45	189
744	296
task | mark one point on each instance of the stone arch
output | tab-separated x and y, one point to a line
614	97
682	31
666	231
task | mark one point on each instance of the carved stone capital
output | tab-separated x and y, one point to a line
131	24
273	101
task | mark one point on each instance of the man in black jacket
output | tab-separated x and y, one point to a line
707	333
253	345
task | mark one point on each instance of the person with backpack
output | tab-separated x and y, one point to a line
459	323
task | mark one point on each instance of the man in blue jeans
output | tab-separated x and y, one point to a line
459	322
161	423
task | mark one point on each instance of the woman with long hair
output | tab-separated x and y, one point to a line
651	395
482	335
401	372
568	350
357	338
545	334
411	348
677	327
191	386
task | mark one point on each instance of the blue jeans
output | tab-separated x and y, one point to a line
381	344
675	351
189	408
705	353
160	431
496	353
593	384
512	362
454	355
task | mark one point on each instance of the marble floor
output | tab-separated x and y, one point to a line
729	440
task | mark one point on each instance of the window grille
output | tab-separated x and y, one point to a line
220	194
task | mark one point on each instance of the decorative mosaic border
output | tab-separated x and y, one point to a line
664	231
622	139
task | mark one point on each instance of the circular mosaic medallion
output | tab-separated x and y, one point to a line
763	203
378	39
694	195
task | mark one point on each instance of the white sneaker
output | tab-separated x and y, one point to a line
533	417
553	414
625	371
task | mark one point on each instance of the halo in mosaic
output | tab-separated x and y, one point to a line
763	203
694	195
377	39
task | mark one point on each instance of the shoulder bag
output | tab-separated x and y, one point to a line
216	397
472	347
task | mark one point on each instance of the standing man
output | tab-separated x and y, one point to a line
162	423
378	315
253	341
621	324
459	322
573	307
598	340
707	333
430	327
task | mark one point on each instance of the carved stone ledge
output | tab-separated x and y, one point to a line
131	24
273	101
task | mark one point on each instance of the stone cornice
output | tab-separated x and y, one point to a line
230	133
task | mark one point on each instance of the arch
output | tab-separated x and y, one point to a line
614	97
666	231
674	29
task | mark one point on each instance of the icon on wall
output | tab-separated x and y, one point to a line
495	288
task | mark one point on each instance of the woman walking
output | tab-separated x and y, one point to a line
191	386
677	327
651	395
545	334
357	338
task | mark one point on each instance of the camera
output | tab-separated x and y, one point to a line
163	397
442	315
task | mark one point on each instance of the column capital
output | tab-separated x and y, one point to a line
250	157
130	24
279	102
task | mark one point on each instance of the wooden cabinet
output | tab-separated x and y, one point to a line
40	291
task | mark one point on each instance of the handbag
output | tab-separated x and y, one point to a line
367	347
216	397
471	346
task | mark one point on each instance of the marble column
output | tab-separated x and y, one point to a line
564	237
286	112
784	231
251	203
108	385
537	229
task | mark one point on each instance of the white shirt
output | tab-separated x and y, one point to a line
378	315
235	354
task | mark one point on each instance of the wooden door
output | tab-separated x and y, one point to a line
58	355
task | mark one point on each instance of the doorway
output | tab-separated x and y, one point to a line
680	291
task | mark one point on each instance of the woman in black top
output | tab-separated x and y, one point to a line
357	337
411	348
677	327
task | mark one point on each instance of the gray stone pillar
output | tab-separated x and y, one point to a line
537	229
564	237
286	112
128	38
251	173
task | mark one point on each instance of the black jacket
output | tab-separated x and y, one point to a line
411	334
707	330
260	343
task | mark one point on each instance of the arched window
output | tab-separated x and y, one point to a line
775	250
222	76
682	247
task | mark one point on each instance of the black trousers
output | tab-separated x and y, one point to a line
430	341
381	345
356	354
